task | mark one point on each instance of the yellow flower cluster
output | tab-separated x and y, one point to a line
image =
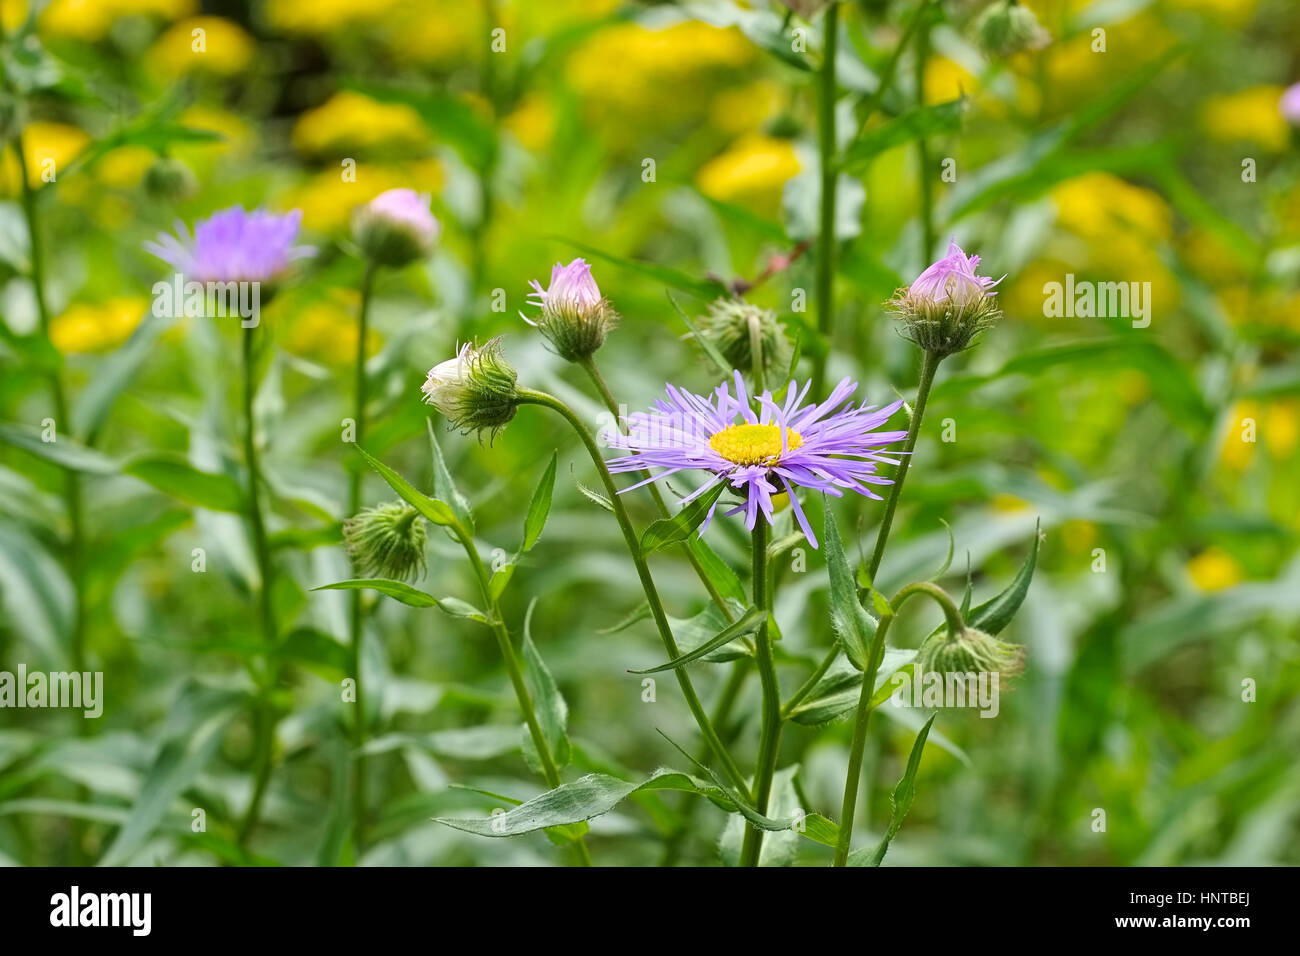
1214	570
755	167
203	45
89	20
350	122
47	150
1250	116
1275	424
97	327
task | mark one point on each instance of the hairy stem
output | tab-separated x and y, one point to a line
727	762
863	713
770	735
550	771
829	174
356	624
265	722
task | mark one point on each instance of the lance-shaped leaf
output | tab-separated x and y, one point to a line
583	799
552	711
900	801
852	624
409	595
912	125
995	614
668	531
439	512
590	494
62	451
177	477
444	488
747	622
838	691
539	507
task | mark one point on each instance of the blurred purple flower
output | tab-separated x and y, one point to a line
828	447
396	227
233	246
1289	104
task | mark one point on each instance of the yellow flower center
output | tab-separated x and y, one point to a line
753	444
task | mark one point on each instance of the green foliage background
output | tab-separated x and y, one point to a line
1168	573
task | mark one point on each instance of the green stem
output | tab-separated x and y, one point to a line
589	365
829	174
63	421
357	615
863	714
532	397
922	148
929	365
770	735
550	771
266	720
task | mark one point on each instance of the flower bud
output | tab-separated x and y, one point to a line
1007	27
476	390
574	317
395	228
947	305
170	180
386	542
970	652
733	326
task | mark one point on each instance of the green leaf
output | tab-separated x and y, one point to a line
62	451
838	691
591	495
500	578
444	488
175	476
702	341
583	799
852	624
780	848
197	724
719	572
114	374
915	124
747	622
900	801
668	531
552	711
993	615
439	512
540	506
316	651
638	613
409	595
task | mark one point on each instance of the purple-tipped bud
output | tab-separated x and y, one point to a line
574	316
395	228
1289	105
948	304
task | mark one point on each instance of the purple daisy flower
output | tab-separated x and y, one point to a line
233	246
827	447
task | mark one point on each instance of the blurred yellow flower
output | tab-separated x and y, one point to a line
325	328
1234	11
124	167
1250	115
754	167
47	149
349	120
1214	569
744	109
89	20
203	44
532	122
235	131
1096	205
13	14
325	16
95	327
1276	423
632	68
946	80
1008	504
327	200
1078	536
